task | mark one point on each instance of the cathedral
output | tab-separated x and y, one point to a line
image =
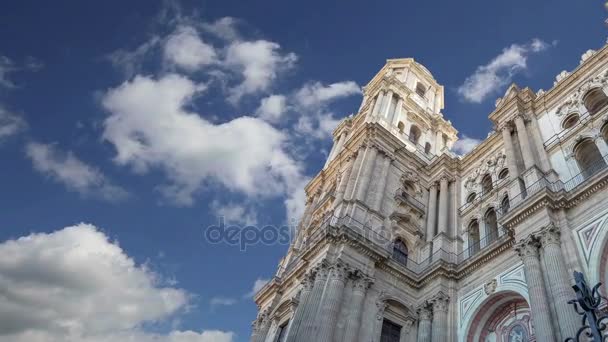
402	240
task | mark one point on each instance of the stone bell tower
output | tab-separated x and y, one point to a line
376	191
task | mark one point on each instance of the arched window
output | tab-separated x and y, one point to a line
427	148
595	100
400	252
420	89
505	205
473	237
401	127
491	225
486	184
414	134
588	158
570	121
604	133
471	197
504	173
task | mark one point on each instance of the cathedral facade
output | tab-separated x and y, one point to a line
403	240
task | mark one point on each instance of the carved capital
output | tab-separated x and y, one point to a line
338	271
424	312
362	283
527	248
505	125
550	235
440	302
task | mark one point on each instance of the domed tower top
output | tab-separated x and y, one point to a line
405	98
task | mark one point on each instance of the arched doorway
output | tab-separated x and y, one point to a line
502	317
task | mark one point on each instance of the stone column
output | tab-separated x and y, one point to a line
541	319
310	314
424	324
388	99
438	142
332	152
332	299
378	103
432	212
558	281
353	321
311	209
366	172
443	206
511	159
524	142
377	330
397	113
377	200
341	141
406	330
342	184
354	172
296	320
440	317
263	325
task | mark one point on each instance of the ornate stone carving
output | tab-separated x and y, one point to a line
550	235
424	312
588	54
527	248
440	302
490	287
560	77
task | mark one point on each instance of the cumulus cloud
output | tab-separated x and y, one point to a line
316	94
272	108
259	63
185	49
150	127
7	66
257	286
234	213
10	123
465	145
70	171
224	28
311	101
74	285
499	72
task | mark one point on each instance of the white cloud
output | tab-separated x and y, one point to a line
234	213
259	62
224	28
6	68
490	78
150	127
76	175
10	123
311	101
130	61
73	285
272	108
316	94
465	145
221	301
185	48
257	286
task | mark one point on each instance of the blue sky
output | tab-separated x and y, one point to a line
127	128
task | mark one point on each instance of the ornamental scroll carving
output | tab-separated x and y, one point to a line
575	100
491	165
